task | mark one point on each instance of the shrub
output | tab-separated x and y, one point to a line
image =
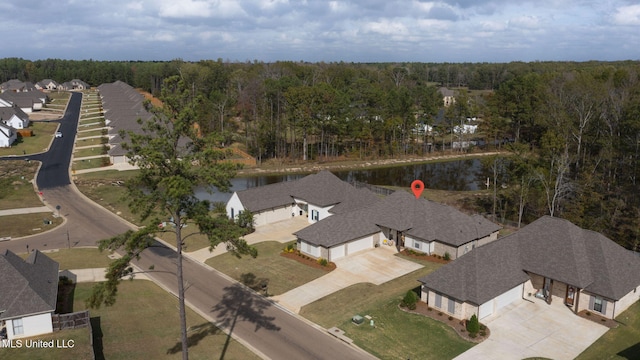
323	262
450	318
473	326
440	313
429	309
483	333
447	256
410	300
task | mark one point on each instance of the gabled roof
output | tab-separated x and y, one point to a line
7	113
28	286
550	247
400	211
321	189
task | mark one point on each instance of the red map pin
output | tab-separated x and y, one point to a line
417	186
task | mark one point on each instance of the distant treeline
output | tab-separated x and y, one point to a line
573	127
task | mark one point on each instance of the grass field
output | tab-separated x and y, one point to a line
16	189
39	142
27	224
87	142
282	274
143	324
622	342
88	163
97	186
79	258
93	151
397	335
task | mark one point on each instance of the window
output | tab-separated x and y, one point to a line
315	215
18	327
451	307
598	304
416	244
438	303
232	213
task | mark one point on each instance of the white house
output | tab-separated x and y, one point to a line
316	196
14	117
28	294
7	135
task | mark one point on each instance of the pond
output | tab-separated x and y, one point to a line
451	175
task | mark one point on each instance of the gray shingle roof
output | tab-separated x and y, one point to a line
550	247
401	211
322	189
28	286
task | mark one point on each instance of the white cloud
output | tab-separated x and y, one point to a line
386	27
627	15
526	22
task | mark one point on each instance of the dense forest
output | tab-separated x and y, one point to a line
573	129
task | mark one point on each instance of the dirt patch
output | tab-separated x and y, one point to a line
459	326
303	259
420	256
598	319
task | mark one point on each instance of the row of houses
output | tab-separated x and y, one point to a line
15	85
550	259
14	116
122	107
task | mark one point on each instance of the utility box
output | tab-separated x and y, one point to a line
357	319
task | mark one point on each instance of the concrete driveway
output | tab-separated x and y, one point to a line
376	266
535	329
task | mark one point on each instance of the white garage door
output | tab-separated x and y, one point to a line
310	249
485	309
358	245
508	297
336	252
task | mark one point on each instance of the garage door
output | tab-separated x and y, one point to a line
310	249
336	252
509	297
359	245
485	309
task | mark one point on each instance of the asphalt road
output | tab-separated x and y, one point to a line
267	328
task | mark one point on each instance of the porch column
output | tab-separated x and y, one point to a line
575	309
550	292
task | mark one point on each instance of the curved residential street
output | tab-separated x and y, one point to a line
259	324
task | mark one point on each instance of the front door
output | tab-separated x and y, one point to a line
571	294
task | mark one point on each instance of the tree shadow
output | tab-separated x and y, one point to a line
631	353
241	304
255	283
96	338
196	334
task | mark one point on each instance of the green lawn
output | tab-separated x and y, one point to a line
88	152
39	142
27	224
16	190
87	142
143	324
397	335
88	163
80	258
622	342
97	186
91	124
97	132
283	274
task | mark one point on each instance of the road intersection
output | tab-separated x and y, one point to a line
269	330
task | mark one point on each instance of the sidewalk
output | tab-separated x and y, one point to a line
281	231
31	210
118	167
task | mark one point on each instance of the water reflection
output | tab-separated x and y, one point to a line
452	175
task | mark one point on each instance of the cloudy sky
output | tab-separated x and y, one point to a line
315	30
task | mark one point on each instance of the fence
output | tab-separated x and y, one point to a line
70	321
376	189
